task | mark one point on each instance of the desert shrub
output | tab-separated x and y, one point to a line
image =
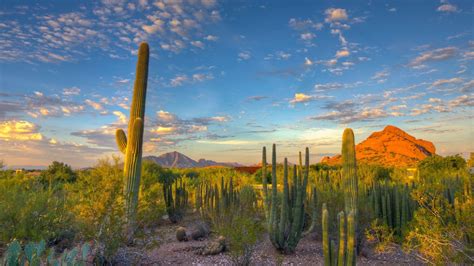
258	176
241	225
57	173
381	235
29	212
151	205
97	202
441	231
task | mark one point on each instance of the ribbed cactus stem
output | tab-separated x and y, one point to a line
349	169
132	148
351	240
326	244
349	177
285	222
342	239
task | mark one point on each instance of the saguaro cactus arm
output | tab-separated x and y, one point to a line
121	140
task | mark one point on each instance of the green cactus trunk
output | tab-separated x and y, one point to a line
342	239
351	239
326	244
132	148
286	218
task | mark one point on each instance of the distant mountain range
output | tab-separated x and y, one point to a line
179	160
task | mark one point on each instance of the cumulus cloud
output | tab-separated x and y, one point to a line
19	130
335	14
245	55
342	53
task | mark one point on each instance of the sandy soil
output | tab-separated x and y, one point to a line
163	249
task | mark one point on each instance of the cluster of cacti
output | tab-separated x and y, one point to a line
35	254
286	210
215	200
132	147
346	251
393	205
176	199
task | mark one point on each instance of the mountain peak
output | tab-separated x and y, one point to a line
390	147
176	159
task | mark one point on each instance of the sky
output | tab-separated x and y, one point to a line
228	77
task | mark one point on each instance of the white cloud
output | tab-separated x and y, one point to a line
308	62
342	53
211	38
335	14
122	118
245	55
447	8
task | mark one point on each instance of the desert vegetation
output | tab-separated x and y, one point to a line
120	212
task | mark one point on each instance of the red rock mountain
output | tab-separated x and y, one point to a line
390	147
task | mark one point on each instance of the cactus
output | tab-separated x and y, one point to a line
351	239
286	216
342	239
132	147
349	171
175	204
34	254
326	245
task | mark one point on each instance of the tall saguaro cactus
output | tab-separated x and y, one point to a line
132	147
347	220
349	173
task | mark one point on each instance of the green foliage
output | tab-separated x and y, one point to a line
28	211
97	203
259	173
380	234
442	227
239	222
57	173
436	167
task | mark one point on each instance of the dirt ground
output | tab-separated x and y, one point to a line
163	249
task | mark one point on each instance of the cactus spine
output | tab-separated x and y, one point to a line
285	222
132	147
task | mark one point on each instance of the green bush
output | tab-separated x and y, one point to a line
29	212
97	201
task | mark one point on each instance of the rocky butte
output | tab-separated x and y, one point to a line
389	147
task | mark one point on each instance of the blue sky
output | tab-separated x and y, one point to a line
226	78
